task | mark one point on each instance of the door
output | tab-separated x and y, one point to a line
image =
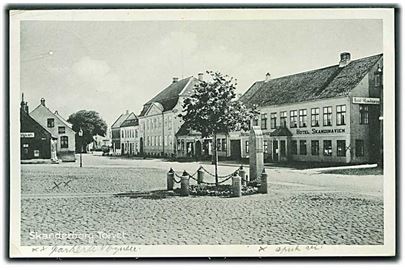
236	150
282	149
25	151
197	149
275	150
141	146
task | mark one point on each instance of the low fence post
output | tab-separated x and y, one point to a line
242	174
263	182
236	186
185	184
170	179
200	176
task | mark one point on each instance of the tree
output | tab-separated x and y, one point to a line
90	123
213	109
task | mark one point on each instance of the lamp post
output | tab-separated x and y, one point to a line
81	144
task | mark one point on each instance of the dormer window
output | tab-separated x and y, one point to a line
50	122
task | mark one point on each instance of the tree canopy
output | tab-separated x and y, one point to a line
90	123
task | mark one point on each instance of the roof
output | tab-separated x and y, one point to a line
67	124
120	120
62	119
321	83
281	131
183	131
169	96
131	120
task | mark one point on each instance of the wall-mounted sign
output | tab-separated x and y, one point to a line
366	100
27	134
320	131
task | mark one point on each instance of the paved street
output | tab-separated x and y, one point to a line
302	207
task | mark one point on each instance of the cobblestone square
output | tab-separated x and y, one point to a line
301	207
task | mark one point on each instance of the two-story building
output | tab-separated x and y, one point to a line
59	128
159	121
130	136
116	133
330	114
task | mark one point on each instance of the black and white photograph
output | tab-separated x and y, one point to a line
202	132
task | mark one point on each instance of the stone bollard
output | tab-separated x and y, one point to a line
242	174
200	176
236	186
263	182
170	179
185	184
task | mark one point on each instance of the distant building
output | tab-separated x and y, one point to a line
324	115
130	136
59	128
159	121
35	139
116	133
99	142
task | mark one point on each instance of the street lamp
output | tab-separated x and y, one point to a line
81	143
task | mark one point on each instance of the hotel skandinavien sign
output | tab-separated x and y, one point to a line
366	100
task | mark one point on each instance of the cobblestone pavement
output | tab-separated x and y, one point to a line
300	208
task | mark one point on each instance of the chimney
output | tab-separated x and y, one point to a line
344	59
268	77
42	101
175	79
24	105
127	112
200	76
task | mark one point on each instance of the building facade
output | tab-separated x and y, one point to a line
116	133
159	121
326	115
130	136
59	128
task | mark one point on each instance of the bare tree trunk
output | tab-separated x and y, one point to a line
215	159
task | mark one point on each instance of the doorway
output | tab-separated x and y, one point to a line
236	150
275	151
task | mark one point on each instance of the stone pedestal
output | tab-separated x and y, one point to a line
256	158
236	186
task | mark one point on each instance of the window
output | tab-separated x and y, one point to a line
315	148
364	114
273	120
219	144
50	122
255	121
283	119
61	130
378	79
247	147
303	118
263	121
359	148
165	140
136	133
160	141
340	114
341	148
223	144
169	122
122	134
154	123
294	147
327	116
327	148
293	119
315	117
64	142
266	146
303	147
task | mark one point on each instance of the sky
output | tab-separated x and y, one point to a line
111	67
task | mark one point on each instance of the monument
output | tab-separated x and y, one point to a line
256	159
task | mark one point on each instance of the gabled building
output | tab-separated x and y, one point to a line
130	135
159	121
324	115
35	139
116	133
59	128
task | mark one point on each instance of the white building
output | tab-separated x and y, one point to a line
130	136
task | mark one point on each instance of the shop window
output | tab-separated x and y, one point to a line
363	114
50	122
340	115
315	147
283	119
61	130
359	148
327	148
303	147
303	118
327	116
315	117
294	147
223	144
273	120
341	148
64	142
293	119
263	121
247	147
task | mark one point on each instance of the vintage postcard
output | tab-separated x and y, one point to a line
202	132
